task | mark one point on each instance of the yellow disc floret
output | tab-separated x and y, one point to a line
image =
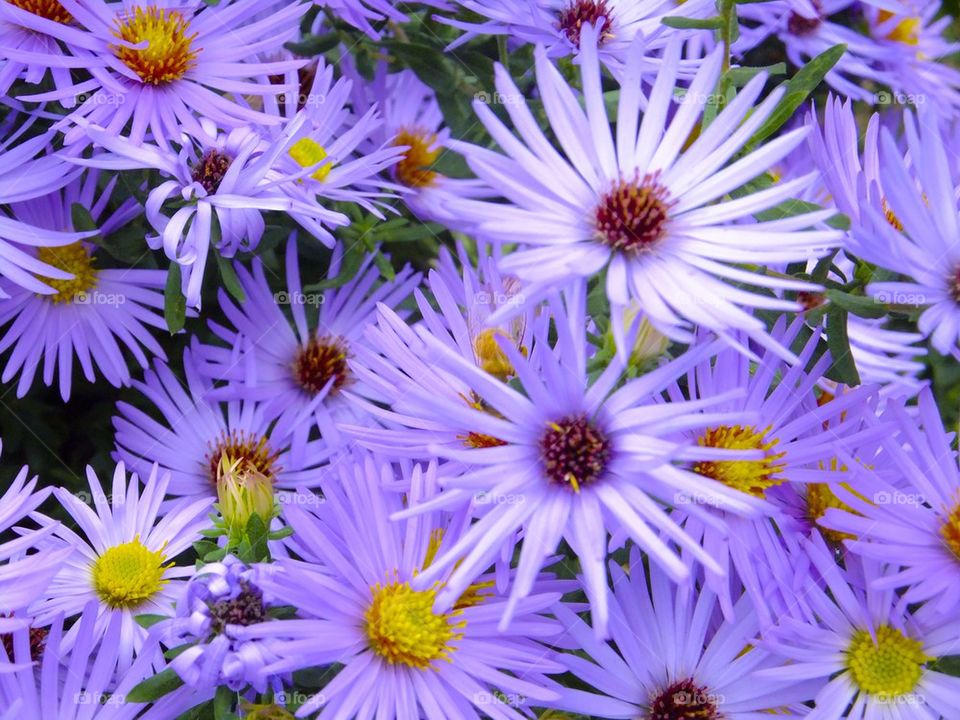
950	531
49	9
749	476
126	576
403	628
413	170
907	31
73	259
889	667
307	153
167	51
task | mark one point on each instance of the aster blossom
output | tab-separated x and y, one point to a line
154	65
122	559
637	206
578	457
402	654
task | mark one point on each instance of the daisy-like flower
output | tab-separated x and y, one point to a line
297	370
124	559
25	176
393	355
92	316
911	38
155	64
26	49
810	27
674	656
797	438
871	655
403	652
45	676
24	577
579	455
195	433
910	521
918	194
637	206
558	25
412	119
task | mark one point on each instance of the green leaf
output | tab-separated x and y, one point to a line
314	45
859	305
82	220
230	280
174	303
687	23
223	703
154	688
843	369
740	76
148	620
798	89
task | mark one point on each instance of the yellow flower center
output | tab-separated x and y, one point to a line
891	216
889	667
73	259
169	52
950	531
749	476
403	628
49	9
307	153
413	170
821	498
490	356
907	31
128	575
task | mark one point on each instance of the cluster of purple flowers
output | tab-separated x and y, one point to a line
605	382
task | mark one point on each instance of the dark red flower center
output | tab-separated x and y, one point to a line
210	170
580	12
801	26
245	609
318	362
684	700
575	452
632	217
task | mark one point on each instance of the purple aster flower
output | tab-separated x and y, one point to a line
806	35
394	356
155	64
412	119
871	654
910	231
23	577
91	316
798	441
194	433
558	25
404	651
673	656
361	13
123	560
581	454
47	677
637	206
30	46
910	521
914	53
296	371
24	176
